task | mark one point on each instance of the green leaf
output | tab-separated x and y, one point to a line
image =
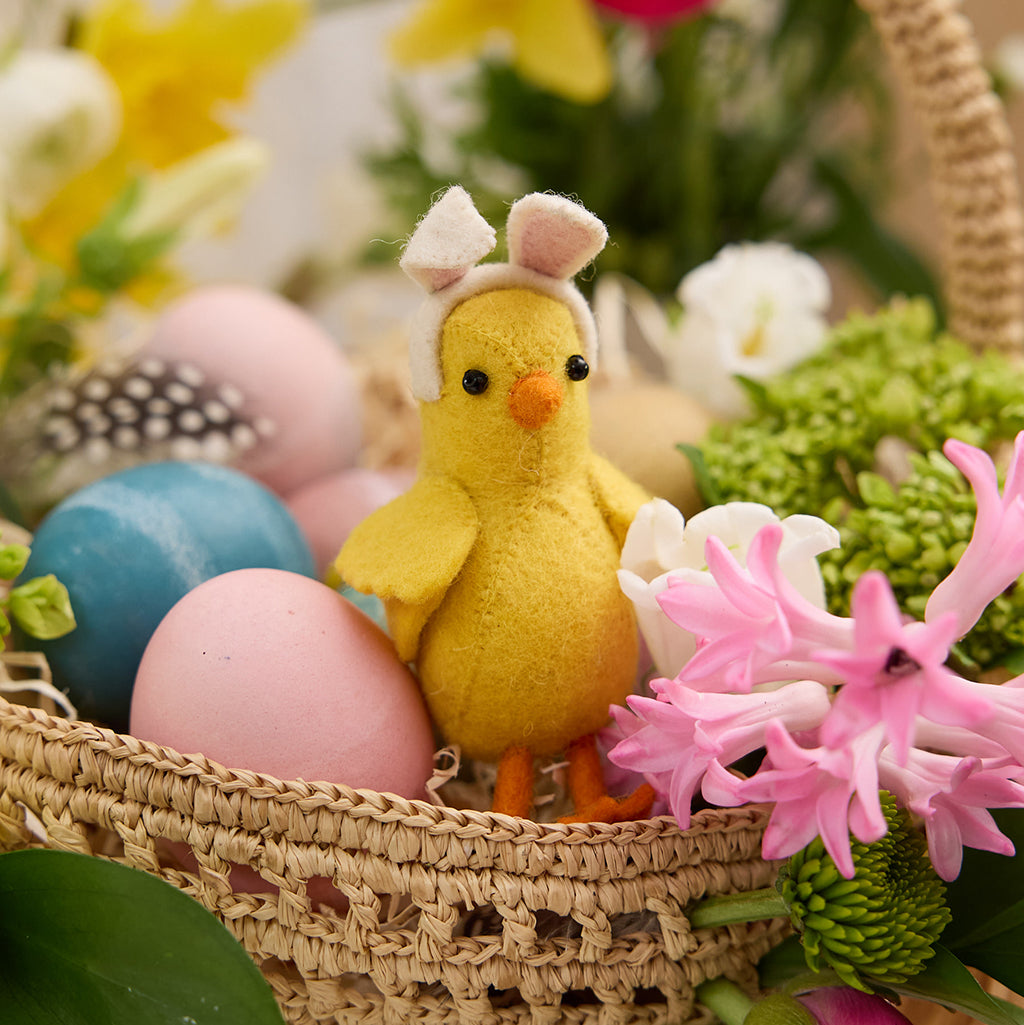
107	258
89	942
997	947
109	262
946	981
42	608
709	492
988	883
782	964
756	391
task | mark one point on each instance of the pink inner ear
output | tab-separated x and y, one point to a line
434	279
553	235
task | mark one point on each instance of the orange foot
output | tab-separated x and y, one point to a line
586	786
513	789
613	809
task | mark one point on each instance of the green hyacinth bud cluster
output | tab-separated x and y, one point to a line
882	923
811	448
915	534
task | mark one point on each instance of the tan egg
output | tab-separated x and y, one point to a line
637	426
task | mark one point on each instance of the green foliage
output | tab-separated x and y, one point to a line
89	942
943	980
715	131
43	305
811	447
41	606
110	256
916	534
882	924
35	339
946	981
987	900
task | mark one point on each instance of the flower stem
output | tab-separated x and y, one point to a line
738	907
725	999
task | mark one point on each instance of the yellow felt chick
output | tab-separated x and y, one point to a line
498	568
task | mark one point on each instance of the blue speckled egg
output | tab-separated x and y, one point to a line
129	546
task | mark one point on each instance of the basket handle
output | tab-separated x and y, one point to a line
932	48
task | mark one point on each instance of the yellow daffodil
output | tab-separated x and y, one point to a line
556	44
174	76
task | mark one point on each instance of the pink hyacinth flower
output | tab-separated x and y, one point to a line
896	672
1006	725
673	740
952	796
841	1005
755	626
819	790
994	557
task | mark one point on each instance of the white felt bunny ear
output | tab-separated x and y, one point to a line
553	235
450	239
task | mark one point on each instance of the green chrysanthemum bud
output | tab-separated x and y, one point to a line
883	922
812	445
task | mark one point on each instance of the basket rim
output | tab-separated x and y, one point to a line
327	797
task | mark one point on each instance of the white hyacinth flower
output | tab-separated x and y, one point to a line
60	113
662	544
754	310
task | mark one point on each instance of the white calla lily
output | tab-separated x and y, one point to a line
661	544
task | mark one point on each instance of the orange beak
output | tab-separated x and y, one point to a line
534	400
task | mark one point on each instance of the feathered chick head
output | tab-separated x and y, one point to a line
550	239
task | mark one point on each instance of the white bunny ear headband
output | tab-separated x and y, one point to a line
550	239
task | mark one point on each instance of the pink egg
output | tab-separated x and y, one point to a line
246	879
291	373
274	672
327	509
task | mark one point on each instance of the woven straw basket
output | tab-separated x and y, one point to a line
428	914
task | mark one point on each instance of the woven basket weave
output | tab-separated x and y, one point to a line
367	908
453	916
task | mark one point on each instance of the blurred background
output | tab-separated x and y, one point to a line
727	121
148	147
330	103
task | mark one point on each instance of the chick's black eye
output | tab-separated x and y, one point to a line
475	382
576	368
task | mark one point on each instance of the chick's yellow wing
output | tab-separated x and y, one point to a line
411	549
616	495
409	552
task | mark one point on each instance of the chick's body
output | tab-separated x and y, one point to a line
516	654
516	623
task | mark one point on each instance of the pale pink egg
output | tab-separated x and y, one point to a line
327	509
292	375
271	671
